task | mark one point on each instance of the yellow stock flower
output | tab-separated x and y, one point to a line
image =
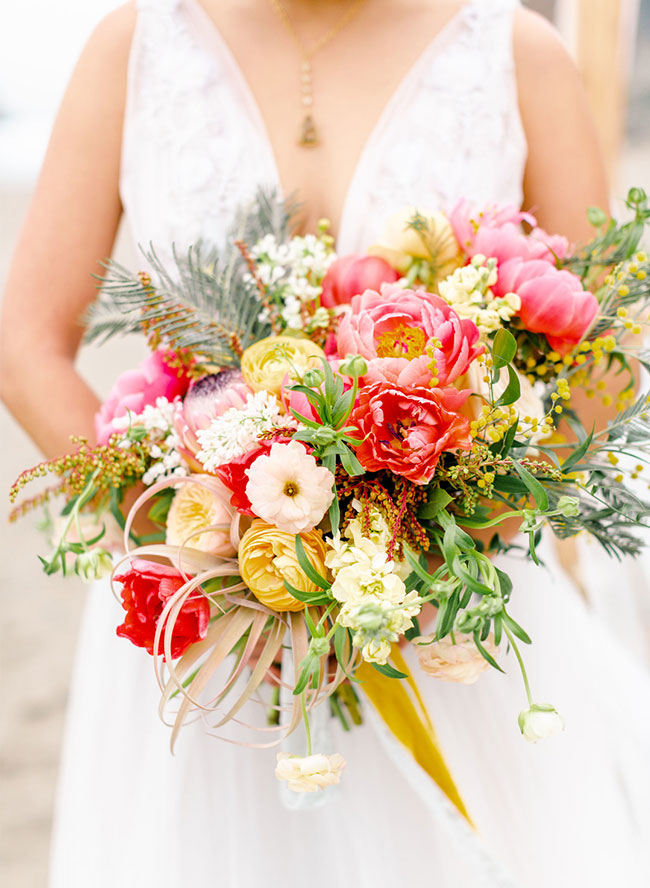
265	364
400	244
267	556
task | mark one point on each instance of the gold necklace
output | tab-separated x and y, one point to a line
308	135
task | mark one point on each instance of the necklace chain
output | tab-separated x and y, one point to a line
308	136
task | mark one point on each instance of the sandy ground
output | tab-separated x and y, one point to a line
39	618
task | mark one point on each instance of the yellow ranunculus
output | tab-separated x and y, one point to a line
267	556
265	363
400	244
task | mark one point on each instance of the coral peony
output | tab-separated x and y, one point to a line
266	363
287	488
351	275
457	660
309	773
552	302
206	399
146	588
267	556
202	501
406	335
135	389
405	431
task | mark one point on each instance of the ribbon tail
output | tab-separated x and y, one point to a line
401	707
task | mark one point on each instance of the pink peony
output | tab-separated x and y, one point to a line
393	330
153	379
552	302
206	399
405	431
350	275
287	488
467	220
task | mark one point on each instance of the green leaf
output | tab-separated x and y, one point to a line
388	670
534	487
505	583
438	499
468	579
513	390
314	397
578	453
490	659
504	348
516	629
307	567
313	598
342	408
310	423
349	461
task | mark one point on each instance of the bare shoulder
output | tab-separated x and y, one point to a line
539	50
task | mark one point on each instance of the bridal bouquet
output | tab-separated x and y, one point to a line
329	446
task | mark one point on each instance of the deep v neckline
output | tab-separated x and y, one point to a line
210	32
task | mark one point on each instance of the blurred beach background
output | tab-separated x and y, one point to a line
39	617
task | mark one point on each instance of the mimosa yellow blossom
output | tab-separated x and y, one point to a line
267	556
309	773
265	364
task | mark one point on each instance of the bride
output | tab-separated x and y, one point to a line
177	112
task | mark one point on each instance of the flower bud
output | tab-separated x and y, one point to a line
93	564
540	721
313	378
569	506
369	618
353	365
324	436
319	647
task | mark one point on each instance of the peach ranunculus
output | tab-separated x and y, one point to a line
287	488
350	275
401	245
265	364
311	772
404	431
206	399
135	389
552	302
267	557
407	334
458	660
201	502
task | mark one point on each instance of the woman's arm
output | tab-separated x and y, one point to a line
71	224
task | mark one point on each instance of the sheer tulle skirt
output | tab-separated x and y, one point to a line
568	812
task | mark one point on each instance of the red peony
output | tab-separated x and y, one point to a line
146	588
350	275
405	431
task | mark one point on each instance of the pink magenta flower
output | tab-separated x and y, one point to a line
135	389
552	302
287	488
350	275
206	399
400	332
406	430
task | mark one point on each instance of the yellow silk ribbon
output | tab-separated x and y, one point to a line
410	723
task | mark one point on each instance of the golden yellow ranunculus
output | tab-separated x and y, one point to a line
400	244
267	556
265	363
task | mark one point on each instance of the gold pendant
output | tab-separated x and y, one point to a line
308	133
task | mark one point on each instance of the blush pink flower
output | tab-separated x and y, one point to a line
458	660
135	389
552	302
396	328
287	488
350	275
206	399
406	430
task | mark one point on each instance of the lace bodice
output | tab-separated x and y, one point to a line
195	144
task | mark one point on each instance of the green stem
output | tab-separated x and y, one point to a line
524	674
303	704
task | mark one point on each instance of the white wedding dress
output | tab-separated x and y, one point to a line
569	813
